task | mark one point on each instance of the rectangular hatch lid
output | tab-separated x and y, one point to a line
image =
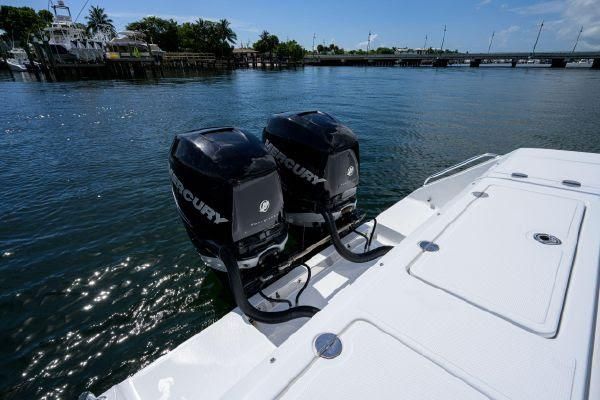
553	167
489	255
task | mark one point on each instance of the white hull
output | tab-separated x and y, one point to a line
494	311
16	67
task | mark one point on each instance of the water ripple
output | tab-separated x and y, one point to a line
97	276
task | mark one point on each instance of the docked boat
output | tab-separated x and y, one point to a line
68	42
128	45
17	60
481	284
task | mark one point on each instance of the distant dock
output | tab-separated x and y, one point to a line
150	65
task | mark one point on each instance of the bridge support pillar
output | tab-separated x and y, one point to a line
596	63
558	63
475	63
513	63
440	62
409	62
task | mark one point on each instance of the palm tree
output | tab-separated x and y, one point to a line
266	43
227	34
98	20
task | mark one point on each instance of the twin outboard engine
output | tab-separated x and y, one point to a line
236	197
228	194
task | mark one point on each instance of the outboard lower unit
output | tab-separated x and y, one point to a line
228	194
318	161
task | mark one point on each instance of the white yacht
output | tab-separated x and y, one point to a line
17	60
68	42
129	45
490	291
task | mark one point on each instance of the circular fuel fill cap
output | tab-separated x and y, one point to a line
328	345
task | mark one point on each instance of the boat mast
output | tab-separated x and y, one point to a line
82	7
537	38
491	41
577	41
443	39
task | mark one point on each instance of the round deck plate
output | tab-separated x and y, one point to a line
545	238
328	345
426	245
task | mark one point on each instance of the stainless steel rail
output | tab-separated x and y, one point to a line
459	165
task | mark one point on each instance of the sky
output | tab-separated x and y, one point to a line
470	23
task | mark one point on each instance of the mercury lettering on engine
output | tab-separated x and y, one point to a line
198	204
292	165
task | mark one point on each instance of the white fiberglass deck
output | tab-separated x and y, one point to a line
492	313
500	267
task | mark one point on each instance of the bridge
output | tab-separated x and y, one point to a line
556	59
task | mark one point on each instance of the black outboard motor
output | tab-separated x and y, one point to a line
228	194
318	162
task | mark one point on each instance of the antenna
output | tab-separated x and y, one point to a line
368	42
443	39
538	38
577	41
491	41
314	37
425	45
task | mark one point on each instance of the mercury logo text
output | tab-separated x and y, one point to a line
198	204
290	164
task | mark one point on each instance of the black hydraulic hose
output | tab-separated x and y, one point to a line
345	252
372	234
237	288
364	236
272	300
308	270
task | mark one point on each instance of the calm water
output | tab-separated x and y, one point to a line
97	277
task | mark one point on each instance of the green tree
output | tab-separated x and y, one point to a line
21	24
164	33
335	49
330	49
207	36
290	49
188	39
266	43
384	50
46	16
99	21
226	35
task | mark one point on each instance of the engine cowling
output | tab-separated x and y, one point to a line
228	193
318	161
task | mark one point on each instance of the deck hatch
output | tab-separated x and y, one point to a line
377	366
549	168
490	256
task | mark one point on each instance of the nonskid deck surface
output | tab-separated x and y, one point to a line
491	313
